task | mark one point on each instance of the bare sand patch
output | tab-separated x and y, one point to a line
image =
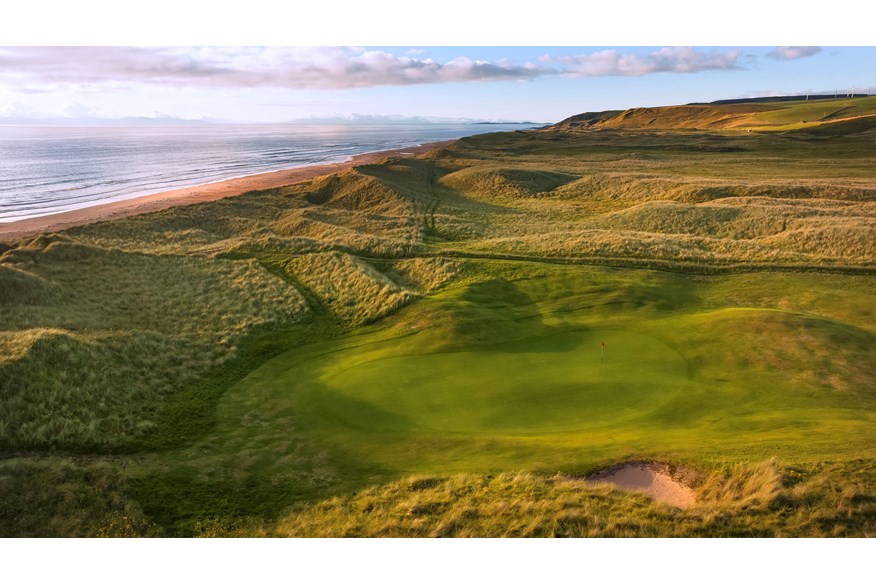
652	479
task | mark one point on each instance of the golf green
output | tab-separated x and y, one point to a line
539	385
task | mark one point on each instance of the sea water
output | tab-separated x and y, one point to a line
50	169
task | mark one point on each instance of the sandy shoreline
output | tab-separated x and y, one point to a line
195	194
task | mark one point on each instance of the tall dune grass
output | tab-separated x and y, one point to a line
353	290
97	339
740	500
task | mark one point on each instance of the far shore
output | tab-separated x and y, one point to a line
196	194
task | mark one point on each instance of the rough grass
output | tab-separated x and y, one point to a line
501	183
353	290
424	274
633	199
354	191
760	500
364	215
54	497
74	391
91	351
22	287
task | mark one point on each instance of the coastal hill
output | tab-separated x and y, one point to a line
755	115
456	343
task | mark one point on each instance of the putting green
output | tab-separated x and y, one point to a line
539	385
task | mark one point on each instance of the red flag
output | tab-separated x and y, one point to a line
603	344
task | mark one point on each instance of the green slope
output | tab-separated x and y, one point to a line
760	116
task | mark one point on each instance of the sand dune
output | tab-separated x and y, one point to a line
196	194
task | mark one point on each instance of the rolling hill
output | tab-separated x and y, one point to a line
755	115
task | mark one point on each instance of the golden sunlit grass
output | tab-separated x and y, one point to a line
764	500
353	290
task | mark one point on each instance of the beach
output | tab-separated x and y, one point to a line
196	194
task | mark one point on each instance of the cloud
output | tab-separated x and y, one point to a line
295	68
791	53
665	60
82	69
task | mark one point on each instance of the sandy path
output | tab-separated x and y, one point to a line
196	194
650	480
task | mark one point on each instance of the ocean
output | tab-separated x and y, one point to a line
50	169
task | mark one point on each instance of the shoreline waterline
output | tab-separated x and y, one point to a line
200	193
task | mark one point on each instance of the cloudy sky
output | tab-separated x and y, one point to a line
275	84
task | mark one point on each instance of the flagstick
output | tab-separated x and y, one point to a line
603	352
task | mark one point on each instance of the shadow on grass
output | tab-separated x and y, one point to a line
184	501
190	413
187	499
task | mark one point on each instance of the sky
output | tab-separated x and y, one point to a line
525	83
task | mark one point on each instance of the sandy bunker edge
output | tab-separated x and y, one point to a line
652	479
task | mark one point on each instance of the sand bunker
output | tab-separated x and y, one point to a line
650	479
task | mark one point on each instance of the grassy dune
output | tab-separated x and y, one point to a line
759	116
99	337
413	348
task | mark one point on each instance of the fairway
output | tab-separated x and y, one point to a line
531	386
506	372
